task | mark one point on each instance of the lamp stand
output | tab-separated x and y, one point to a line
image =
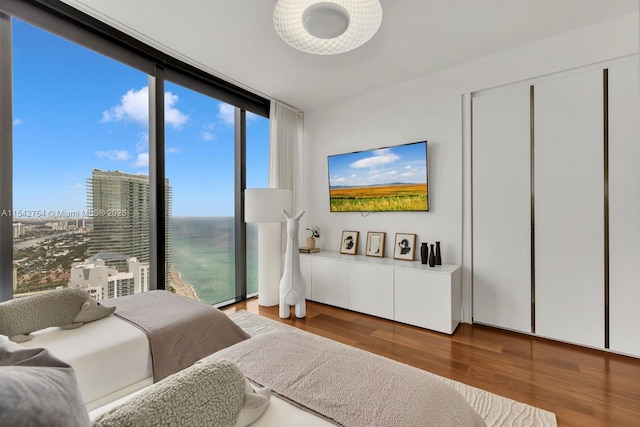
269	263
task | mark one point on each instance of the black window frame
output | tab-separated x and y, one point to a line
65	21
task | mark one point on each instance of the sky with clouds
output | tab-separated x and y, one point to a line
75	110
399	164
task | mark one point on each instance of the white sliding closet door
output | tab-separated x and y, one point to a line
502	208
569	208
624	207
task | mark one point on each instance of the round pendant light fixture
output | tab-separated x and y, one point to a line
326	27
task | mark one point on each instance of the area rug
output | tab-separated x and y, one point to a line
494	409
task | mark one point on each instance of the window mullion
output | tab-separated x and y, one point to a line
240	133
157	197
6	160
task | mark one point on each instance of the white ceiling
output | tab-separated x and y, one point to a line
235	39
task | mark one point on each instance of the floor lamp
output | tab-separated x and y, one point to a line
264	206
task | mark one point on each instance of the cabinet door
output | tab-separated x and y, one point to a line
423	299
330	282
305	268
502	208
371	289
569	208
624	207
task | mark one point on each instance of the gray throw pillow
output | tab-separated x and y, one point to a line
37	389
207	394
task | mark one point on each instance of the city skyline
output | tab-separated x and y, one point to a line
94	116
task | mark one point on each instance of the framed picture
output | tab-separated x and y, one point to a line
404	247
375	244
349	242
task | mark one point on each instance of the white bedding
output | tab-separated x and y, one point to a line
112	363
110	357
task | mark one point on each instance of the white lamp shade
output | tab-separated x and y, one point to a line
266	204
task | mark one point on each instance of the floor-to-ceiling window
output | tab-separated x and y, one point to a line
80	168
76	198
199	163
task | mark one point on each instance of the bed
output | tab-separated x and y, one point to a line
313	381
149	337
110	357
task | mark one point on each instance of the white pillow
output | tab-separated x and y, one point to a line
209	393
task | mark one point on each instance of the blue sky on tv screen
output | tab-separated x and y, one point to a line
398	164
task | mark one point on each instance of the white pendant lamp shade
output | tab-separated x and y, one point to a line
325	20
327	27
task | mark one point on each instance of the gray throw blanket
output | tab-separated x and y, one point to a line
346	385
181	331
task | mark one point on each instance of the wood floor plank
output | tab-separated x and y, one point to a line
582	386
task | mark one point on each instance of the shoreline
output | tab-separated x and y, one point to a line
181	287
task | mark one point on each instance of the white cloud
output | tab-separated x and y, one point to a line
116	155
207	136
142	161
77	187
375	161
172	115
17	122
134	106
226	113
173	150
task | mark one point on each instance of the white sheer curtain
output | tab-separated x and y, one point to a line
285	166
285	152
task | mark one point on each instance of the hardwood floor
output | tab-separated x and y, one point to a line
583	387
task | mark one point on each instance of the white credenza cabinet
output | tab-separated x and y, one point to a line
407	292
429	298
330	282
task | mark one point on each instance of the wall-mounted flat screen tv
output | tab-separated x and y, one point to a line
381	180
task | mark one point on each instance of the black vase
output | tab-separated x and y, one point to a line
438	255
424	251
432	258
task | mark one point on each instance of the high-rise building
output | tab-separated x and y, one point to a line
18	229
119	204
107	282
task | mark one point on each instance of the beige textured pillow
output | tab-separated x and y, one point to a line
209	393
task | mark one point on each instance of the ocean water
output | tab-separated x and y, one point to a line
203	251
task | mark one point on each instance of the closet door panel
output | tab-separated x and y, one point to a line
624	207
502	208
569	208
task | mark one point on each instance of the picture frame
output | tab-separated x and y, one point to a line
349	242
375	244
405	246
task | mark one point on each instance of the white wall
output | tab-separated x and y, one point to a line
432	108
